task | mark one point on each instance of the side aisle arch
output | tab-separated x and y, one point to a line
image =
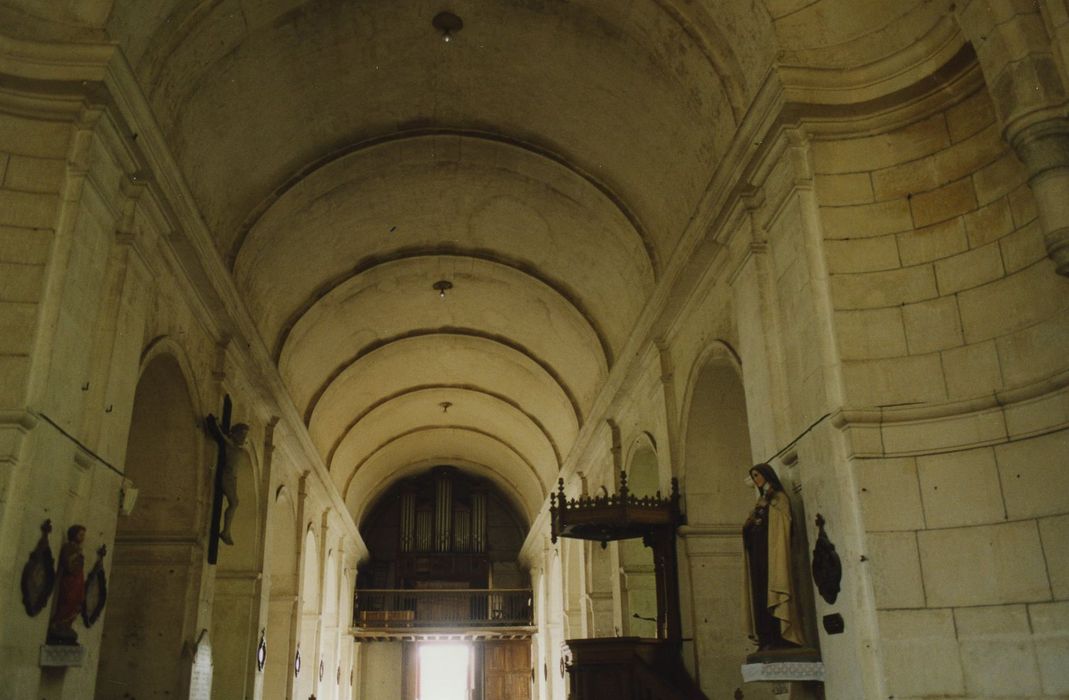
282	605
638	585
310	607
158	559
716	457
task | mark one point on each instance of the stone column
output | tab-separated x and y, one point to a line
1027	86
1043	146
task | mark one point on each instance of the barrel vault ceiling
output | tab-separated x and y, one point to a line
545	163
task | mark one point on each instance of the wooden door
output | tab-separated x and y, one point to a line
507	670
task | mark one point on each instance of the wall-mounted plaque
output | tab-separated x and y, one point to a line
39	574
96	590
827	569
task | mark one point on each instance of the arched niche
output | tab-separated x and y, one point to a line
716	458
328	645
164	454
157	559
599	584
330	587
345	608
304	685
282	554
282	565
716	446
638	585
310	573
572	553
599	588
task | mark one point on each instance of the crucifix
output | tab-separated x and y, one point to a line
231	456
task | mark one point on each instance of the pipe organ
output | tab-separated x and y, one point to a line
442	533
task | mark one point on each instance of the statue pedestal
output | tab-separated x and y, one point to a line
62	655
783	671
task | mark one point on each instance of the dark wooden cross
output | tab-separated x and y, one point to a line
220	464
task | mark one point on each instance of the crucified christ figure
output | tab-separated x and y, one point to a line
237	458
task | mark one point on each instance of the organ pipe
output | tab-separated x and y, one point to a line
443	511
408	521
478	521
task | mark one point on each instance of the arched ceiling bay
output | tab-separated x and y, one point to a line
441	361
396	299
447	193
640	95
457	409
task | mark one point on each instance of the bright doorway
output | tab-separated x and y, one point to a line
444	671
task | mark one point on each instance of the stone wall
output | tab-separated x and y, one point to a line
951	326
32	170
884	290
100	276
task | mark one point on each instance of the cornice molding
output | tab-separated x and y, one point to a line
995	400
65	64
1019	413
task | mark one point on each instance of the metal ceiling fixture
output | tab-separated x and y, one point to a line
441	286
448	24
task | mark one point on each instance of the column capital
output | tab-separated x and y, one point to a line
1043	147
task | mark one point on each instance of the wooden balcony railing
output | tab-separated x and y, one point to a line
384	608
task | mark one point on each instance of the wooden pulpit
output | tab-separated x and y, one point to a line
629	667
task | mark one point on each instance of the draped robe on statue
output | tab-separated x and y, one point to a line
768	596
71	594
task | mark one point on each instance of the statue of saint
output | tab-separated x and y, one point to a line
236	459
71	588
771	607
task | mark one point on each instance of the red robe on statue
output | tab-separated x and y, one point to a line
70	594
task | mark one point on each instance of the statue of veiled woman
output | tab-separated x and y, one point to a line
769	596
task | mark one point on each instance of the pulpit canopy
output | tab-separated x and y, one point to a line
617	516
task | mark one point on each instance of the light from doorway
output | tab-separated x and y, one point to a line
444	671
